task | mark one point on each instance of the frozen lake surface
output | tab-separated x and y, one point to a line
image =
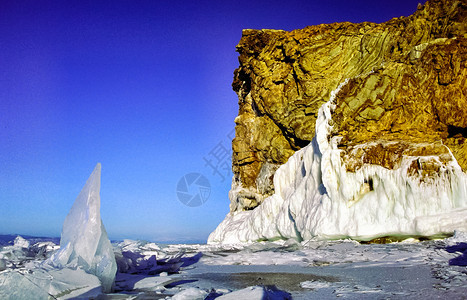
281	270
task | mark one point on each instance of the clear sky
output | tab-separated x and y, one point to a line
143	87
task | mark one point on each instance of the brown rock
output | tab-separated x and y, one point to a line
406	95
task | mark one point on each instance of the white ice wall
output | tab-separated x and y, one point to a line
315	197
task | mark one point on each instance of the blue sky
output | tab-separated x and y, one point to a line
143	87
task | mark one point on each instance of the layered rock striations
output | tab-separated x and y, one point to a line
406	95
352	130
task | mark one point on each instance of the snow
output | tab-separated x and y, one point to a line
84	242
314	285
83	266
443	222
192	294
140	257
279	250
278	270
316	197
20	242
256	293
21	252
458	237
38	283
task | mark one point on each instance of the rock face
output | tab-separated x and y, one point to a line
405	98
317	196
352	130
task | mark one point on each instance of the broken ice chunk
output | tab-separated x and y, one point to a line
191	293
257	292
52	284
20	242
84	242
2	264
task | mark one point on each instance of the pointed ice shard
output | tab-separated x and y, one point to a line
84	242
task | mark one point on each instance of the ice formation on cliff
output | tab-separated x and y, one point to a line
316	197
84	243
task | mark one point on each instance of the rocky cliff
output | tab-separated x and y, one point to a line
405	96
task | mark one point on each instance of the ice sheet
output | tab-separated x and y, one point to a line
38	283
307	270
256	293
192	294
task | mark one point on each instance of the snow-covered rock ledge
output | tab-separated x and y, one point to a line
316	197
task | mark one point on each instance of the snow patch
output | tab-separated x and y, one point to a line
256	293
191	294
